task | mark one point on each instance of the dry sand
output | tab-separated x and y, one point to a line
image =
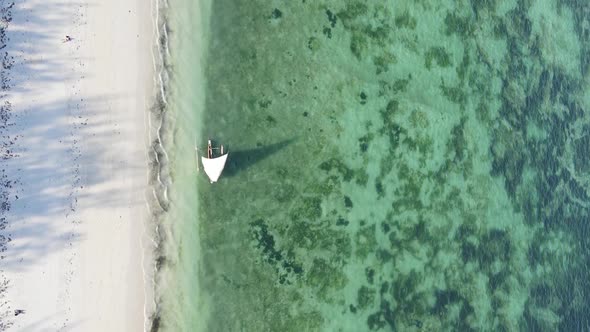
77	254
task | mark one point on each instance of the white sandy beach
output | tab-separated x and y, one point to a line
78	246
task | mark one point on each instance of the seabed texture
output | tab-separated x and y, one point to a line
395	165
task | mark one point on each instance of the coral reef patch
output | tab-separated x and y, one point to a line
437	175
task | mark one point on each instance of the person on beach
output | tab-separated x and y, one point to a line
67	39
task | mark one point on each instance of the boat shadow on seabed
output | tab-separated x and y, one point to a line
241	160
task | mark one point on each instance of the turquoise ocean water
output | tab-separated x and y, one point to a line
394	166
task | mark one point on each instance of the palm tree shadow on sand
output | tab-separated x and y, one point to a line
238	161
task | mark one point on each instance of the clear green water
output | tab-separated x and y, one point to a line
393	165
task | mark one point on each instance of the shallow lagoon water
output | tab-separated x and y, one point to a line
392	166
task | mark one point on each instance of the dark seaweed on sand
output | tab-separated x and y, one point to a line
7	142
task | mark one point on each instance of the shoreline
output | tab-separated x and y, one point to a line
177	120
158	202
80	255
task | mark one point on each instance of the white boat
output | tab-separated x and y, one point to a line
213	165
